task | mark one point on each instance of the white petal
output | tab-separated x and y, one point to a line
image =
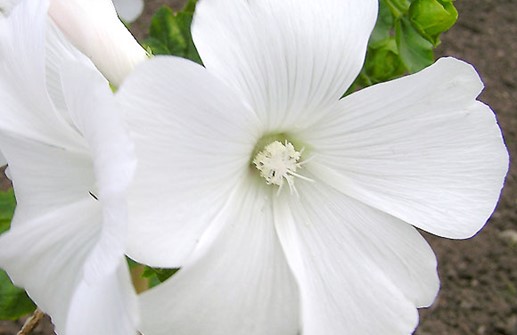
108	307
420	148
62	237
97	116
7	5
129	10
59	195
290	59
22	49
59	51
359	270
193	140
46	255
238	283
62	177
94	28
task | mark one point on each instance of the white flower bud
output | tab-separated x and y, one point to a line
94	28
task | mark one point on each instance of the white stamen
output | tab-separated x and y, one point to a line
278	163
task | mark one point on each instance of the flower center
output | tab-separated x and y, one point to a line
278	163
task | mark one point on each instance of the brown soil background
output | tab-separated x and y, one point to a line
479	275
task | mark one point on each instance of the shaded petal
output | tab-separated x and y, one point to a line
62	177
111	306
96	115
129	10
290	59
359	270
238	282
94	28
420	148
59	51
7	5
3	161
67	185
23	73
46	255
193	140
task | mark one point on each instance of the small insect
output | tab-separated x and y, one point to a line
93	195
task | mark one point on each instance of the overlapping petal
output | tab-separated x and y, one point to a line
289	59
70	162
93	109
61	177
358	269
83	259
110	305
94	28
193	138
22	35
420	148
237	282
46	255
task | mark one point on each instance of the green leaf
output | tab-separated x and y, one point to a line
157	276
398	8
383	26
415	51
14	302
432	17
169	33
7	206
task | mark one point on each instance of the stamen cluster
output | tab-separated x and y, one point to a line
278	162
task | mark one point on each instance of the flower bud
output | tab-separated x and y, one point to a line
432	17
94	28
384	62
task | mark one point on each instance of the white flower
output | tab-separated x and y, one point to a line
129	10
94	28
335	251
70	162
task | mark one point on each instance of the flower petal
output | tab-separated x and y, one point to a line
46	255
237	283
111	306
7	5
193	140
129	10
420	148
359	270
94	28
59	51
59	191
290	59
22	50
96	115
62	177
